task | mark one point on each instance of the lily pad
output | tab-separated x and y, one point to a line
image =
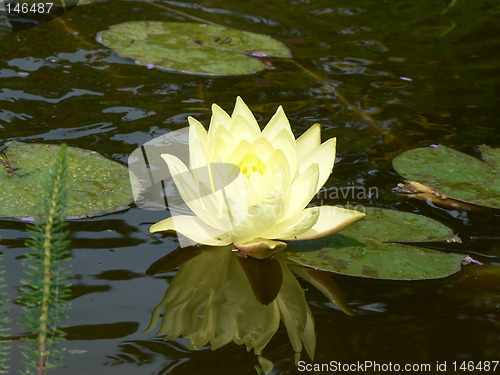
455	175
192	47
96	185
369	249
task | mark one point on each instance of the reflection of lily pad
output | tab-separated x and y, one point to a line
364	249
454	174
192	47
96	185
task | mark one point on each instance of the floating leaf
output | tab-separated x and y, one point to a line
96	185
192	47
365	249
450	174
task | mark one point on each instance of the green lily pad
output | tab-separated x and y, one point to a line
454	174
368	248
96	185
192	47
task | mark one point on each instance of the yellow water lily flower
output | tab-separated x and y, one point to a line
251	188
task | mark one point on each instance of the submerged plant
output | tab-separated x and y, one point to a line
4	321
46	290
250	188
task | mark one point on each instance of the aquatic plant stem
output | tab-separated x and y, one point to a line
352	107
47	276
184	14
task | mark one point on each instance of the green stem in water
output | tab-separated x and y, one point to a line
47	273
46	290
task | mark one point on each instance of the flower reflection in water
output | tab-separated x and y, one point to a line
218	297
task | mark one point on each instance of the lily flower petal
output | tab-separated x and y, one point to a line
198	195
263	148
309	141
242	130
324	156
286	142
241	109
295	225
199	132
219	118
198	138
261	216
302	190
277	123
279	158
194	229
261	247
331	220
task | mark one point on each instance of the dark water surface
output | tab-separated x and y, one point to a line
427	72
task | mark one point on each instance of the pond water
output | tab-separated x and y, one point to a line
423	72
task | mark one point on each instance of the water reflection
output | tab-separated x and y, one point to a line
217	297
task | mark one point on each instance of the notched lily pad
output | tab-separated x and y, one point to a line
369	249
442	173
96	184
192	47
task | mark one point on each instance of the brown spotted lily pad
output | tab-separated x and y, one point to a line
192	47
96	185
379	247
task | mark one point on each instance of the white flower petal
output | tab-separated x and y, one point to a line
263	148
199	131
209	207
286	142
259	187
219	150
324	156
277	123
187	186
194	229
295	225
281	181
235	200
278	158
241	109
197	144
331	220
219	119
309	141
261	216
242	130
240	151
302	190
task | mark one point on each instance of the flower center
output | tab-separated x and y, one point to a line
251	163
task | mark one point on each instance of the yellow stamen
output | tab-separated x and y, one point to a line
251	163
